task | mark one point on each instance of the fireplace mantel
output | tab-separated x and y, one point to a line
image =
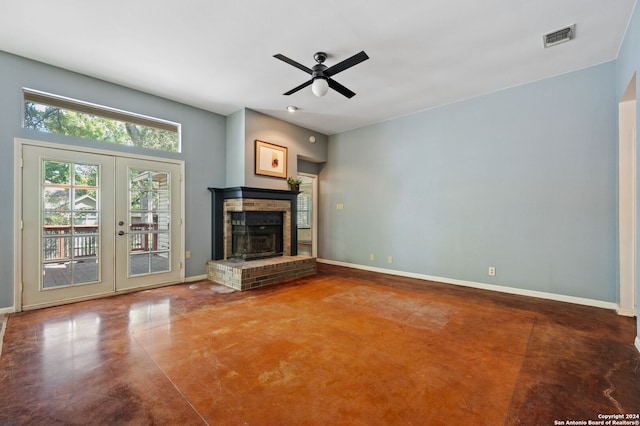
218	197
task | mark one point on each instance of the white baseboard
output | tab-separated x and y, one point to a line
195	278
625	312
637	343
482	286
7	310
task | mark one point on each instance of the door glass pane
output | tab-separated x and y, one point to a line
56	172
138	264
86	174
70	224
56	198
86	271
149	218
56	221
160	262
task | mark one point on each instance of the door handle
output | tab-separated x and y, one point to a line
120	232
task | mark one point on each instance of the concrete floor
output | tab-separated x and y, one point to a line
345	347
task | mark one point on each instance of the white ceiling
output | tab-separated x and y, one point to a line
218	55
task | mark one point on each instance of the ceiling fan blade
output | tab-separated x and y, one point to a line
340	88
302	86
347	63
294	63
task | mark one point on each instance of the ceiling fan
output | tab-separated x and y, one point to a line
321	75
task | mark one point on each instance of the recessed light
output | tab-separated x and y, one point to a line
292	108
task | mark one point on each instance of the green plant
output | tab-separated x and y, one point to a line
294	181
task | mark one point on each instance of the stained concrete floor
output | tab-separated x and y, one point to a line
345	347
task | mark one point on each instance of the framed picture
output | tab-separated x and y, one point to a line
271	160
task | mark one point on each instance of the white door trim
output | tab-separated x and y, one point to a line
17	225
17	198
627	202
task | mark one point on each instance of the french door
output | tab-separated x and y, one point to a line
95	224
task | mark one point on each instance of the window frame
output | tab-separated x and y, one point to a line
83	107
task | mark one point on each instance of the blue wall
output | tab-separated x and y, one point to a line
246	126
523	180
294	138
203	149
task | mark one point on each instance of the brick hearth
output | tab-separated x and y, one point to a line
244	275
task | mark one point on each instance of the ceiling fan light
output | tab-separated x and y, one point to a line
320	86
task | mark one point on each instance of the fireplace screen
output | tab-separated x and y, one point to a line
256	235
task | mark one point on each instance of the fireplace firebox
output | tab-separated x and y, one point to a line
256	234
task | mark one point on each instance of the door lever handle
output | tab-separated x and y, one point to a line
120	232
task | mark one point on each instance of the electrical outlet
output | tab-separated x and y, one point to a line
372	257
187	254
492	271
339	206
390	259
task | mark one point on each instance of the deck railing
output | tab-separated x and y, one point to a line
59	242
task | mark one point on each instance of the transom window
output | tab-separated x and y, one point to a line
56	114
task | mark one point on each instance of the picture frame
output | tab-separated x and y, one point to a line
271	159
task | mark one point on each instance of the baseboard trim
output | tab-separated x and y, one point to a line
482	286
195	278
625	312
637	343
7	310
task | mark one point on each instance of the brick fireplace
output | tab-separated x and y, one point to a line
267	256
233	208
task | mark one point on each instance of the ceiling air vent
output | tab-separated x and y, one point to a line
560	36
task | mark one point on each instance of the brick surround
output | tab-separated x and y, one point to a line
251	204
